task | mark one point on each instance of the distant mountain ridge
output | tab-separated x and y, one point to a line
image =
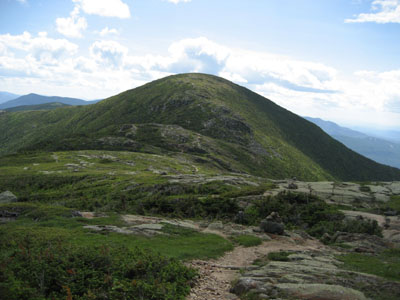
35	99
377	149
6	96
198	116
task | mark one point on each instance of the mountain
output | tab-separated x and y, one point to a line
5	96
379	150
334	129
206	118
389	135
34	99
45	106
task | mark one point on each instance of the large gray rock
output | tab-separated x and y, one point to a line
321	291
8	197
272	227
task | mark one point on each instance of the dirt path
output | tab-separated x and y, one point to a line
216	275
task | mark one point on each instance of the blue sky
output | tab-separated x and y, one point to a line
334	59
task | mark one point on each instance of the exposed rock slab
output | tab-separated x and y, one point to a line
8	197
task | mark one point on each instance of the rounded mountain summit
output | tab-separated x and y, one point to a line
205	118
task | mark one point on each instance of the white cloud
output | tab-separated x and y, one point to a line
105	8
108	31
384	11
304	87
22	1
41	48
197	55
109	53
178	1
72	26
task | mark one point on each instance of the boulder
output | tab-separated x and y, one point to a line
243	285
272	227
8	197
216	226
274	217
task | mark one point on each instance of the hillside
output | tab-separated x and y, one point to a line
35	99
45	106
5	96
377	149
215	121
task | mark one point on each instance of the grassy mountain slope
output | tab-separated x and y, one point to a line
214	120
34	99
45	106
379	150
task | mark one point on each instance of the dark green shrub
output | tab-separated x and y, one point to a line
54	269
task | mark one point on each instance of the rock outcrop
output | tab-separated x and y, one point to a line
8	197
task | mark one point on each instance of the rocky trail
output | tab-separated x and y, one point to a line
216	276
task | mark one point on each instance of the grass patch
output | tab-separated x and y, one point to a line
342	245
279	256
43	220
247	240
386	264
394	203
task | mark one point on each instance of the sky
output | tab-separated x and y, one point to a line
334	59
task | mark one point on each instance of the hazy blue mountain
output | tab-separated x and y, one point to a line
6	96
378	149
332	128
390	135
35	99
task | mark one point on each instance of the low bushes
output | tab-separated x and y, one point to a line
308	212
42	268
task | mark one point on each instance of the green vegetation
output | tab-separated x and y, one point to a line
47	254
385	264
272	256
52	268
210	119
46	106
394	203
278	256
45	220
247	240
187	146
309	213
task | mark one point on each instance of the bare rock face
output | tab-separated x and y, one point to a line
311	275
321	291
361	242
8	197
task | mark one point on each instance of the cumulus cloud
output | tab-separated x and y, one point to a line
72	26
41	48
304	87
105	8
383	11
197	55
109	53
108	31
